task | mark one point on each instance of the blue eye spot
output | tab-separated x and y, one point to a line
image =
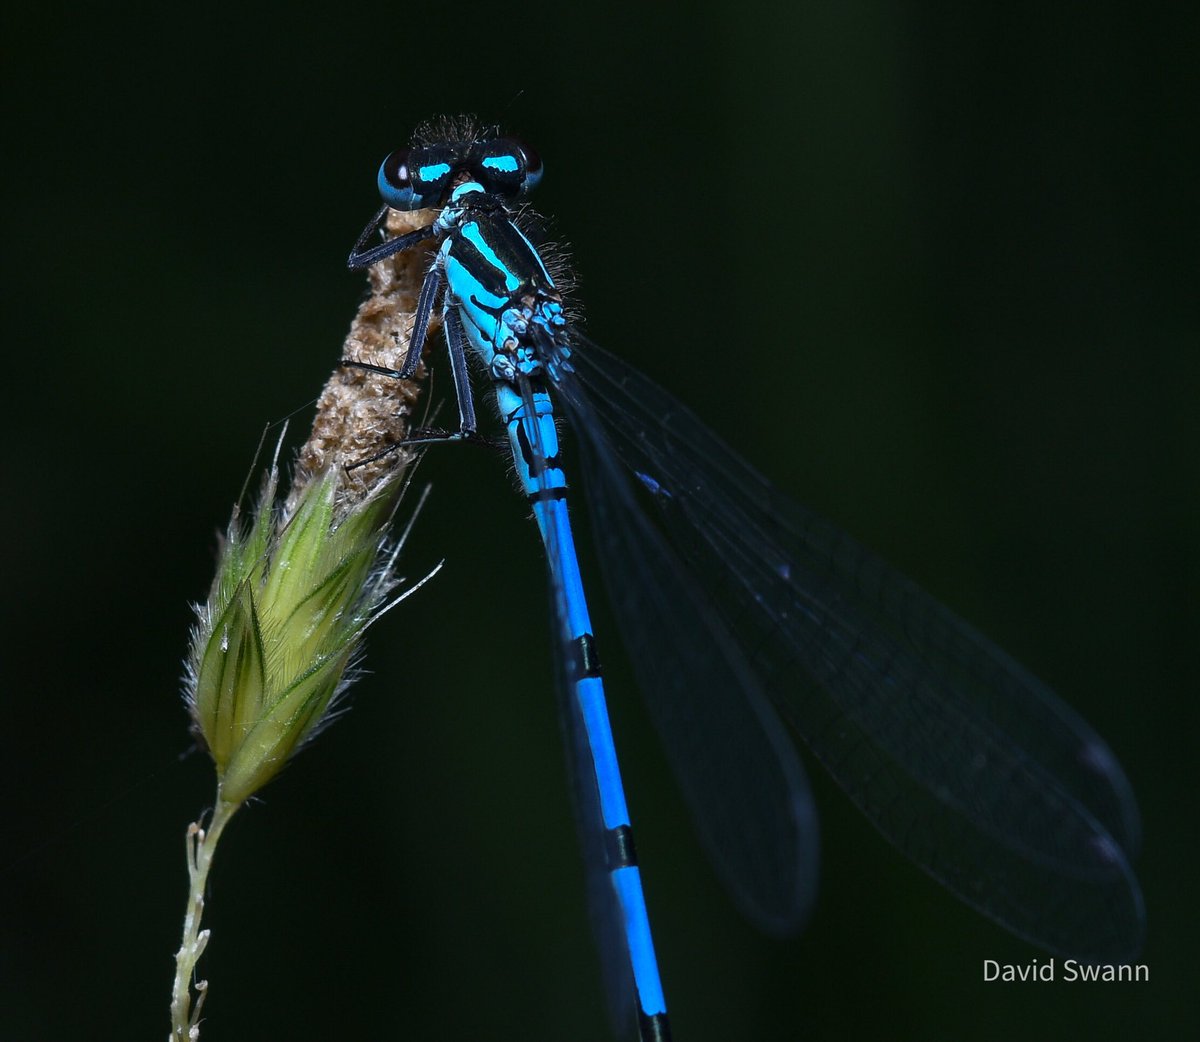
433	172
500	164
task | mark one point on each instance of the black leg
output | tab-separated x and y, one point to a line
362	256
456	340
420	331
382	370
430	436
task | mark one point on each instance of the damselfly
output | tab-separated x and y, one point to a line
741	610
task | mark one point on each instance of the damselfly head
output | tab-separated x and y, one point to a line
424	175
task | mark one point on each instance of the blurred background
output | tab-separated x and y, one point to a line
933	266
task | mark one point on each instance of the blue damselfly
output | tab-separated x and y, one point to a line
741	610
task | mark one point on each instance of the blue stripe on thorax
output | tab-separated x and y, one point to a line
473	234
480	308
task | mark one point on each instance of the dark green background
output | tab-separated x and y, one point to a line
932	266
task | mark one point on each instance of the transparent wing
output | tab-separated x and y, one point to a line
967	763
737	767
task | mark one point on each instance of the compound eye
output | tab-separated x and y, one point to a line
503	166
395	184
533	165
431	169
413	178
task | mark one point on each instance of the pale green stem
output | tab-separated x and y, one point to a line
201	846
